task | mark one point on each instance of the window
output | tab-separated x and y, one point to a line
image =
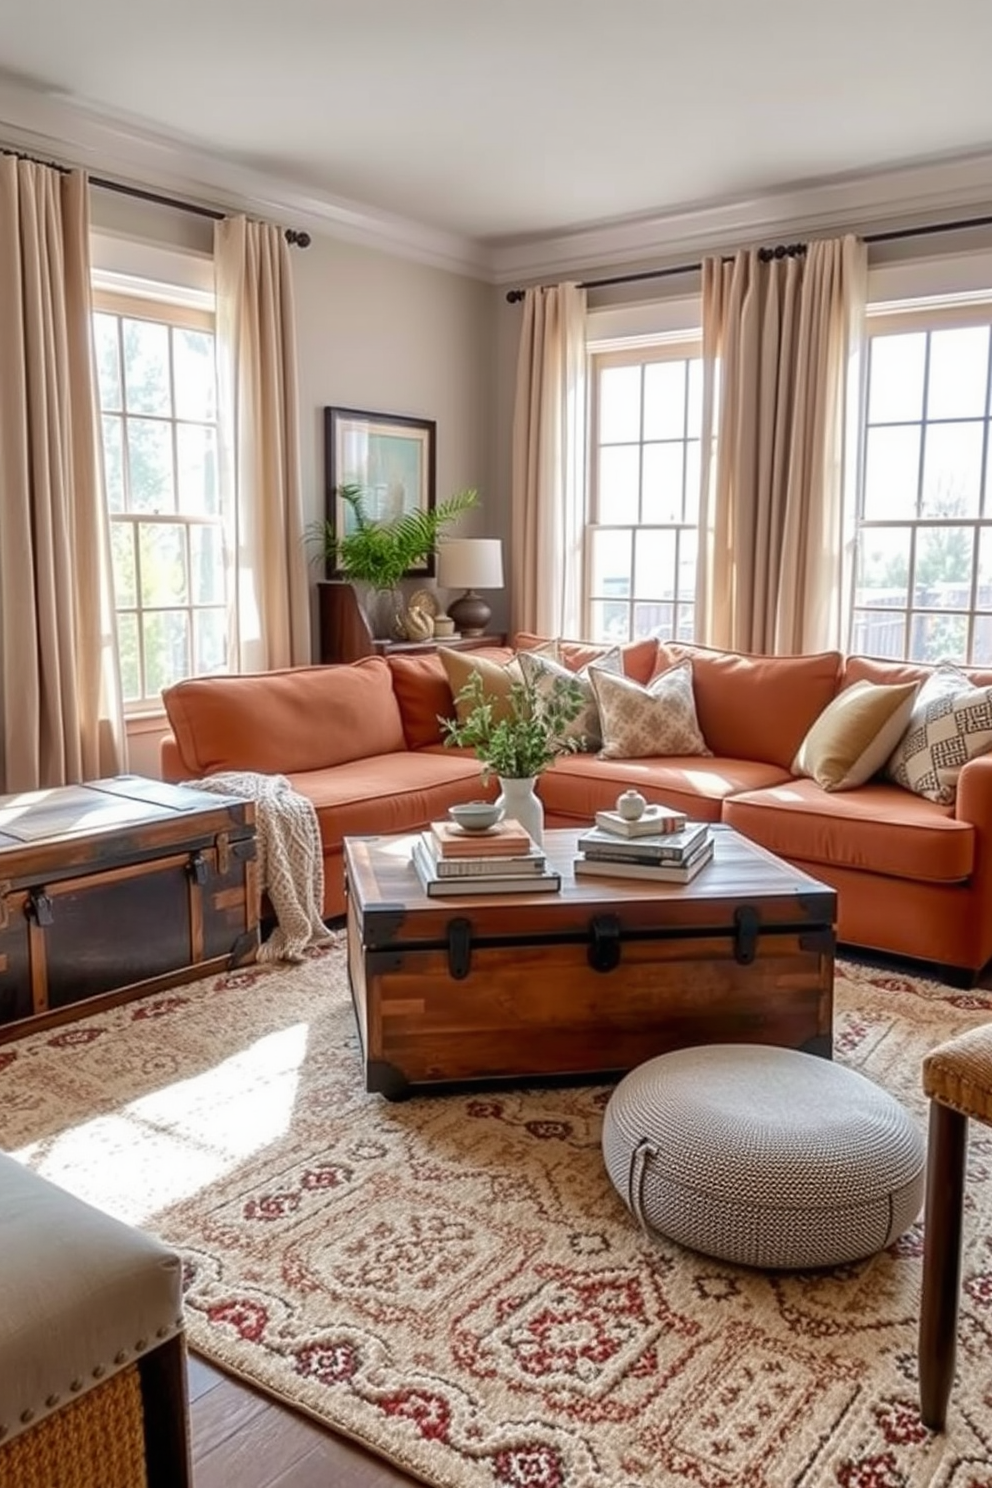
923	558
158	401
641	539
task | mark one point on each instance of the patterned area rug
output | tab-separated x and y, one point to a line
453	1282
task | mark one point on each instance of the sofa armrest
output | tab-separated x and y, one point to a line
974	798
170	760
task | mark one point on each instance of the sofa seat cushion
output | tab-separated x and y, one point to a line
390	792
879	828
576	786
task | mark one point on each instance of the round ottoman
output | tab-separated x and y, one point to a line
763	1156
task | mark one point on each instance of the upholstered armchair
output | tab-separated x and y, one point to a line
957	1076
92	1358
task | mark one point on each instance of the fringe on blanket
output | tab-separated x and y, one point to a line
290	858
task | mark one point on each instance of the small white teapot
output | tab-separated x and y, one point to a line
631	805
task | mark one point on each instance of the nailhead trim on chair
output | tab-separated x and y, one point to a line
98	1439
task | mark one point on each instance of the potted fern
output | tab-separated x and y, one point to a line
379	553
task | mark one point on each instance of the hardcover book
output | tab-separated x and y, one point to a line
494	866
506	839
662	847
440	888
655	819
657	872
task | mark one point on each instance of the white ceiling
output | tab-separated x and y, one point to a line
510	121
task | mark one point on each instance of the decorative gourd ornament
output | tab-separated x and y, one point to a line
631	805
418	625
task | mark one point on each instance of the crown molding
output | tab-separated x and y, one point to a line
119	148
904	197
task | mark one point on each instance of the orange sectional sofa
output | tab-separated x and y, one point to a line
363	742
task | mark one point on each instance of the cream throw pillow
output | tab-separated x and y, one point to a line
497	678
540	673
657	719
951	724
855	734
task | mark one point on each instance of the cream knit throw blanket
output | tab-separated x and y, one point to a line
290	858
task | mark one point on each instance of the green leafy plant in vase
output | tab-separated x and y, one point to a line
516	738
379	553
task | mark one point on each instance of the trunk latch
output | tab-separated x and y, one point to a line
747	922
459	948
604	944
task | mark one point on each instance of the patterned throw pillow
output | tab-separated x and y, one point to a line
951	723
855	734
657	719
497	678
540	673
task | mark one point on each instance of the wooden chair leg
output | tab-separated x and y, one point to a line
165	1398
941	1261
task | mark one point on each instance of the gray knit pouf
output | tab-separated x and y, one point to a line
763	1156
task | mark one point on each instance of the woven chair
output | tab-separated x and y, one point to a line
92	1347
957	1077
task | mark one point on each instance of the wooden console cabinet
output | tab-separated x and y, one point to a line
345	634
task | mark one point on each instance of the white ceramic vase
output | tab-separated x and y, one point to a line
519	800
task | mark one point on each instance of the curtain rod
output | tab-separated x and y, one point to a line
515	295
292	235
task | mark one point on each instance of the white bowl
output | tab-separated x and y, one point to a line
475	816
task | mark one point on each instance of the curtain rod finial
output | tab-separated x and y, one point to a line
297	239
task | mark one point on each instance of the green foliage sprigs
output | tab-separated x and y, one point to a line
380	553
524	743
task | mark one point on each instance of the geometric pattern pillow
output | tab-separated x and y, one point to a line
659	719
951	723
541	673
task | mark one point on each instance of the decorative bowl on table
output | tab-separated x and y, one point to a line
475	816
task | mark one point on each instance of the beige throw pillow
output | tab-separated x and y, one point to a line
657	719
497	678
951	723
540	673
855	734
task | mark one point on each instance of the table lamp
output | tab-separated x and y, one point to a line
470	563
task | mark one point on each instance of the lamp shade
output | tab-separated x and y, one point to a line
470	563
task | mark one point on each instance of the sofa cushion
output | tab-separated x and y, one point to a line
498	678
878	828
855	734
541	674
756	707
657	719
881	669
576	786
639	658
951	724
423	691
300	718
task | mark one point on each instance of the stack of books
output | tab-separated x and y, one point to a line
502	860
666	856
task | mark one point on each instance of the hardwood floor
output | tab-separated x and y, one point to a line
242	1437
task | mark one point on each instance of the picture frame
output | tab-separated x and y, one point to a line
393	459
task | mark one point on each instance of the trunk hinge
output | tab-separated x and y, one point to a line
40	905
604	943
459	948
5	888
747	923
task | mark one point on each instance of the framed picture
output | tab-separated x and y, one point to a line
392	460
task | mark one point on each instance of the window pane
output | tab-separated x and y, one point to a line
619	473
108	362
619	404
943	568
610	563
952	470
196	384
878	634
653	620
166	648
662	483
688	557
146	367
163	563
883	566
692	478
610	620
149	457
892	472
206	559
685	622
694	419
981	641
983	596
938	638
959	371
209	641
895	388
654	565
664	400
113	462
127	651
196	473
123	560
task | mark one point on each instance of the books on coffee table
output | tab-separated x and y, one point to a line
661	847
655	819
682	873
506	839
502	865
496	881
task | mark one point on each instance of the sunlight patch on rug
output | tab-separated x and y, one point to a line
453	1281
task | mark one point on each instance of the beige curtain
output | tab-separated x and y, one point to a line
260	457
59	687
547	501
780	353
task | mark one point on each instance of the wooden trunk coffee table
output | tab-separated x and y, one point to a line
586	983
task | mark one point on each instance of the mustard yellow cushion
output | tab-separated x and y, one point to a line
497	677
855	734
659	719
